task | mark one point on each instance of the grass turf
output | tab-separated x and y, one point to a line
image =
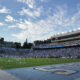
9	63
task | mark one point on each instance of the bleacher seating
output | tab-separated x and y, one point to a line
13	52
71	52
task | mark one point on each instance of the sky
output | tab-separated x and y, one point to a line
37	19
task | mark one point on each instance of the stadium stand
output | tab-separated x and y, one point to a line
62	46
13	52
69	52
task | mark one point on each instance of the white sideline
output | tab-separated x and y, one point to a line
6	76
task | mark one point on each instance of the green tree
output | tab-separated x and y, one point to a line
27	45
18	45
2	40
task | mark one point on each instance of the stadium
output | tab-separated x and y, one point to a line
61	51
39	39
65	45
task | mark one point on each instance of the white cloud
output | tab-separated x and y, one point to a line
18	25
9	19
20	35
36	30
43	0
22	25
2	24
30	3
4	10
54	24
35	13
12	26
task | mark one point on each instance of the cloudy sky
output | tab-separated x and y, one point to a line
37	19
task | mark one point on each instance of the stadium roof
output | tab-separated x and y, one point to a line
67	34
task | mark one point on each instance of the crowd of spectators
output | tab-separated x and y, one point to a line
69	52
13	52
64	43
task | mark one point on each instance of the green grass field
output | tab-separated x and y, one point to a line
9	63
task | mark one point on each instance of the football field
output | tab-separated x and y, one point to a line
67	71
9	63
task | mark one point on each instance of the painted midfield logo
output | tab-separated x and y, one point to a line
57	71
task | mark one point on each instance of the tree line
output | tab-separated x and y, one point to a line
27	45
